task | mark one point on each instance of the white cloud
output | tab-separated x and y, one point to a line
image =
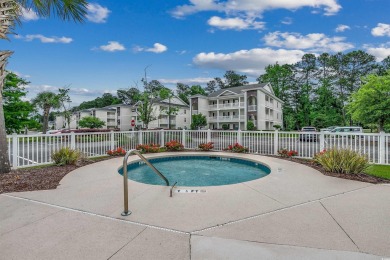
188	81
380	52
112	46
342	28
25	76
251	62
181	52
382	29
235	23
44	39
253	8
312	41
287	21
97	13
157	48
29	14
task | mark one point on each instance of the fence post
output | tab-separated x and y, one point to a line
140	141
276	141
72	140
322	141
15	151
382	152
162	141
239	139
183	138
112	140
208	135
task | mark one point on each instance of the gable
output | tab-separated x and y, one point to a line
227	93
176	101
268	88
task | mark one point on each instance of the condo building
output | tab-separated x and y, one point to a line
235	107
120	116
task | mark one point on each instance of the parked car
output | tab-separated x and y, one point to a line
309	134
53	132
328	129
347	129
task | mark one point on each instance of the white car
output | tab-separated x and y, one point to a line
347	129
328	129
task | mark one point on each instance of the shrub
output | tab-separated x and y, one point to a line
237	148
250	126
117	152
149	148
174	146
286	153
66	156
342	161
277	127
225	127
206	146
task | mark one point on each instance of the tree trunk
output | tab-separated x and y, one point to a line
5	166
46	112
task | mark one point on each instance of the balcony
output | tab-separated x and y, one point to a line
226	118
194	112
230	106
111	123
252	108
269	104
111	117
213	107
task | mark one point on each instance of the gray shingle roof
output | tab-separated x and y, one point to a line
237	90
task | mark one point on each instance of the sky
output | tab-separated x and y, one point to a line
188	41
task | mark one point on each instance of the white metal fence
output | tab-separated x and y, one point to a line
30	150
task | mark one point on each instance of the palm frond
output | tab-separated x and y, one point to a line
68	10
9	16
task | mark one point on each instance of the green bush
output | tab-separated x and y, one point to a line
342	161
66	156
250	126
225	127
277	127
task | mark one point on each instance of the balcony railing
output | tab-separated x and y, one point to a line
226	118
252	107
194	112
230	105
269	104
111	117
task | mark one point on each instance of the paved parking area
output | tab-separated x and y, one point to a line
293	213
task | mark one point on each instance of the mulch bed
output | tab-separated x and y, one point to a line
356	177
39	178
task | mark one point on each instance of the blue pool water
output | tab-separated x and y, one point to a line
197	171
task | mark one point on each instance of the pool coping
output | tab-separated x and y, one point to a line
196	153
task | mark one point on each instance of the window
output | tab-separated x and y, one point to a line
277	115
185	120
185	111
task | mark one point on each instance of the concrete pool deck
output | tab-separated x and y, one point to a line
293	213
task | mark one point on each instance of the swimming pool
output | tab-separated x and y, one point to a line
197	170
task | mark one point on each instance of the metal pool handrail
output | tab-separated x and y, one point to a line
126	211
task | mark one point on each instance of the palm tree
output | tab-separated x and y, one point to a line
10	12
46	100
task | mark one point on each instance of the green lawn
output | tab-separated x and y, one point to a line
382	171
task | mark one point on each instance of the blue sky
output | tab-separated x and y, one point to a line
188	41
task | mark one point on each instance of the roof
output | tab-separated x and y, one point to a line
237	90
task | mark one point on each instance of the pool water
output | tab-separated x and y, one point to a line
197	171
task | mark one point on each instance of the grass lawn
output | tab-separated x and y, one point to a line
382	171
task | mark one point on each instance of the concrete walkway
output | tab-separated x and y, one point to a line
293	213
